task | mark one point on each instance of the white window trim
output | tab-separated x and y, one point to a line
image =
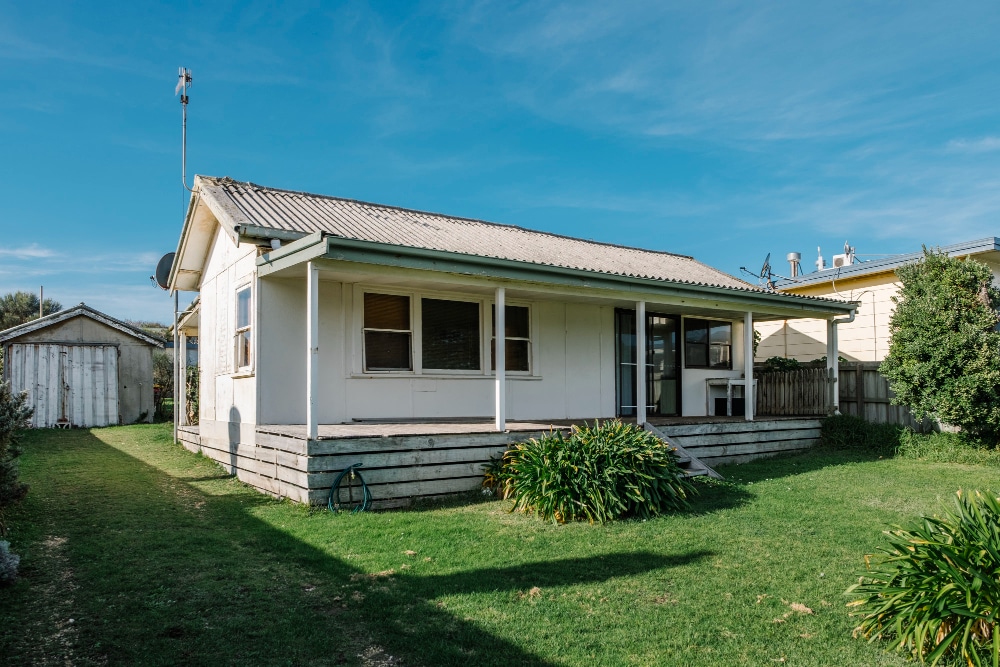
359	303
248	370
532	338
357	369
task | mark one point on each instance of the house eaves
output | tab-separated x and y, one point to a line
84	311
322	246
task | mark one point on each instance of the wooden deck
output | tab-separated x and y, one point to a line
406	459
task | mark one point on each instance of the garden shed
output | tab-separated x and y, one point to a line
81	367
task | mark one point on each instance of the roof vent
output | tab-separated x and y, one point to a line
794	259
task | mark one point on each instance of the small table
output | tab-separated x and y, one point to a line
728	383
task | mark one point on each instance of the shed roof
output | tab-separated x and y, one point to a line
242	205
80	310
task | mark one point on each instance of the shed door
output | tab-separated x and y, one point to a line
67	384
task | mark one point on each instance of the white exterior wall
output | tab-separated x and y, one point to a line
224	395
693	403
581	333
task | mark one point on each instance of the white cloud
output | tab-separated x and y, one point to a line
980	145
33	251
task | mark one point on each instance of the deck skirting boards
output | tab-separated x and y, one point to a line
398	468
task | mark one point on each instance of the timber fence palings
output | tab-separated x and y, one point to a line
862	389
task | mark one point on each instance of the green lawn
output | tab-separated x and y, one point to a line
136	551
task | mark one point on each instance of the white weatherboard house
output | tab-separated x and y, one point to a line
334	331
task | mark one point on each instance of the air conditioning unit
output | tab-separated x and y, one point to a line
842	260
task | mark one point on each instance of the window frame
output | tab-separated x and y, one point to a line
248	368
532	337
411	331
708	344
424	369
356	365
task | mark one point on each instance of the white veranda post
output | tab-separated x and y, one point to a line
500	345
312	348
182	419
640	362
749	396
833	365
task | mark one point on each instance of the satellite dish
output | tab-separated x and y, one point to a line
163	270
765	270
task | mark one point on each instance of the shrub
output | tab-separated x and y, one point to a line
944	346
8	564
935	590
850	432
781	364
600	473
14	416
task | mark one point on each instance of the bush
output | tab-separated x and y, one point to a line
600	473
14	416
944	346
781	364
935	591
8	564
855	433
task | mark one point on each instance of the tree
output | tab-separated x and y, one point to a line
944	347
14	416
20	307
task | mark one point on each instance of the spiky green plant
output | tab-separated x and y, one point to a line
600	473
934	591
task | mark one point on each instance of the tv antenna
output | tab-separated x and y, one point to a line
184	80
765	277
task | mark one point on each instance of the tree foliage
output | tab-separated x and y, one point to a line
20	307
14	416
944	347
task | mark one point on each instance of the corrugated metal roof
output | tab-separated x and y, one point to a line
891	263
250	204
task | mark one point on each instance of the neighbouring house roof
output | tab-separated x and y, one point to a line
77	311
886	264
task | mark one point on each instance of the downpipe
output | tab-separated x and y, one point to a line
833	357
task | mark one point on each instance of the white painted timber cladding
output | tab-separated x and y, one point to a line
75	384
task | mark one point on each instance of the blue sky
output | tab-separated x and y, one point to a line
720	130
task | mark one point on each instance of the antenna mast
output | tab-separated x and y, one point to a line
183	83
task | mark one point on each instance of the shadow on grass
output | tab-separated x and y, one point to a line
154	571
787	465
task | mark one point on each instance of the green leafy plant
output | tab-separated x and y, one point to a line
934	591
600	473
14	416
944	347
781	364
8	564
855	433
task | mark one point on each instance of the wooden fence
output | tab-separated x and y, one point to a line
805	392
802	392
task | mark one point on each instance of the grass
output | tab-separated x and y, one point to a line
136	551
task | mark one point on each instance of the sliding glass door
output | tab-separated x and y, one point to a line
662	364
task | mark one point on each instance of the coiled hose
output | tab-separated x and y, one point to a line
364	502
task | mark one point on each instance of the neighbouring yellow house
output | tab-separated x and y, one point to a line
871	285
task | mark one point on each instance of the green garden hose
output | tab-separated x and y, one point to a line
333	501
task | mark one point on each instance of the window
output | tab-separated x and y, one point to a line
450	332
244	349
708	344
387	333
517	339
